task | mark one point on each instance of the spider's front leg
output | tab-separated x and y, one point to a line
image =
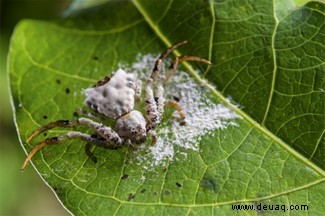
158	64
70	135
107	138
155	104
151	107
174	64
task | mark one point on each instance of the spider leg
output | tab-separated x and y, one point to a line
70	135
156	115
107	138
158	64
60	123
155	104
153	137
179	109
99	141
104	131
152	113
171	70
174	64
159	97
138	87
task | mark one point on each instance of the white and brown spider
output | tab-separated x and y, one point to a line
114	98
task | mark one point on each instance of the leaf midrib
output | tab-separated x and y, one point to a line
225	101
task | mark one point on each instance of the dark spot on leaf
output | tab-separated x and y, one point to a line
167	192
131	196
182	123
177	99
155	193
55	188
143	190
95	58
178	184
67	90
45	117
210	184
259	195
125	176
58	81
45	134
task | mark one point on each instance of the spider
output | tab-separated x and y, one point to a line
114	98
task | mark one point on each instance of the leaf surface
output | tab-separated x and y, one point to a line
268	67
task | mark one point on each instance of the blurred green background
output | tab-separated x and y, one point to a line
21	193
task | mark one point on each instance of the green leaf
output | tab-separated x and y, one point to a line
268	69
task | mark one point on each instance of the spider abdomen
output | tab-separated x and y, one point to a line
114	98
